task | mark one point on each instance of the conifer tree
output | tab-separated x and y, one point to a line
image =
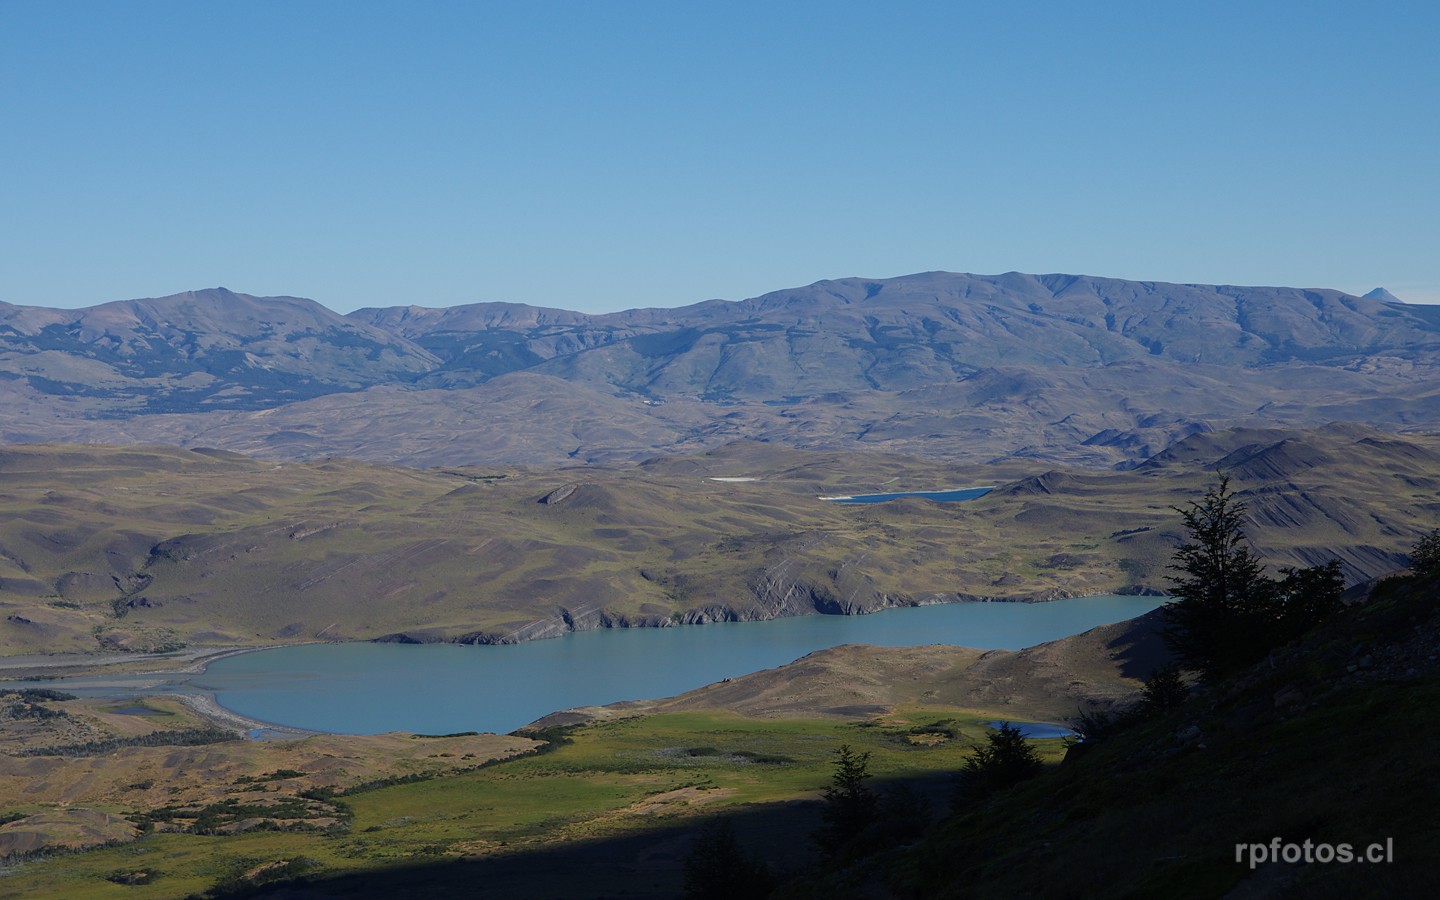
1223	607
850	806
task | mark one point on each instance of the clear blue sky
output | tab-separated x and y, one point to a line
603	155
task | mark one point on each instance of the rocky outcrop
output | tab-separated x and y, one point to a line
559	495
800	599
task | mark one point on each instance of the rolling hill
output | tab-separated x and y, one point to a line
150	547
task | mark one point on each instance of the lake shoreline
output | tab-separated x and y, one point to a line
305	685
938	495
41	667
205	705
173	675
194	661
558	627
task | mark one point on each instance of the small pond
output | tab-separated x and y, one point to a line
951	495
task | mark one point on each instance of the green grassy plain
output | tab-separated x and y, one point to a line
621	777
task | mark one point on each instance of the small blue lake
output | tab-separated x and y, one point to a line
1037	729
443	688
953	495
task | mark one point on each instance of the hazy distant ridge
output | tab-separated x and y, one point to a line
1075	368
920	329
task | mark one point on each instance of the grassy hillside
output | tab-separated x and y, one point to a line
152	548
1330	741
1053	681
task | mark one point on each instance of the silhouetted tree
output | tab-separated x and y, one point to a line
1163	690
1100	724
1425	555
1005	759
1307	598
1226	612
850	806
718	868
1223	601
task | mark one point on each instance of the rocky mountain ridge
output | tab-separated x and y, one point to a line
1075	369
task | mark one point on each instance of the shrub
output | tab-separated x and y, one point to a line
1163	690
1005	759
1308	597
718	868
1425	555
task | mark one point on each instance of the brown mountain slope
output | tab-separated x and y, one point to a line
147	547
1113	415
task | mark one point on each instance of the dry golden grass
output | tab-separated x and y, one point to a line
136	549
82	798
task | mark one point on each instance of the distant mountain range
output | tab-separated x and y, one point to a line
1076	369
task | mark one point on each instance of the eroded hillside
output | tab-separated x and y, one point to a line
152	548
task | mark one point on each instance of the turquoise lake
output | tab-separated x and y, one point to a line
443	688
954	495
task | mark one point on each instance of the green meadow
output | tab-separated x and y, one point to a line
598	781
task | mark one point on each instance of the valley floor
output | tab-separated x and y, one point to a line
201	806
